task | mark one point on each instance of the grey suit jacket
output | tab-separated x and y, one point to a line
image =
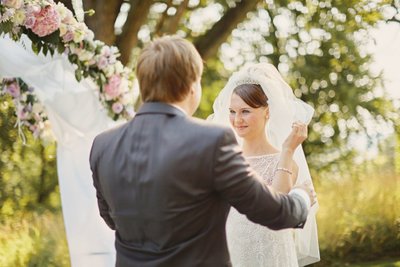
165	182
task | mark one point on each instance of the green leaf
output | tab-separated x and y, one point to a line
53	38
51	49
60	48
78	75
6	27
35	48
45	50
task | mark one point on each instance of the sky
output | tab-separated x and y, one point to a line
386	54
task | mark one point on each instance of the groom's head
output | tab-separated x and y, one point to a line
168	68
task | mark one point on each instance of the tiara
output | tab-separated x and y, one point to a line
246	81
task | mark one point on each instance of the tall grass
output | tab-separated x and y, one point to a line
33	239
358	220
359	217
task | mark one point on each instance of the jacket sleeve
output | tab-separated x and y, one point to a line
102	203
236	182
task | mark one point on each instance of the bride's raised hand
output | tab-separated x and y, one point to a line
297	136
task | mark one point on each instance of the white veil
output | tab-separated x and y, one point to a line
284	109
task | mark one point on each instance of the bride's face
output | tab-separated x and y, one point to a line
248	122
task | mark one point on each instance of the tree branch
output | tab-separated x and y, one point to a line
208	43
173	22
137	16
160	23
274	39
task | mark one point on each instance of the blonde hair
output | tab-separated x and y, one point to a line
167	68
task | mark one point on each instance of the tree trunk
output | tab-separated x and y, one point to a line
208	44
102	22
137	16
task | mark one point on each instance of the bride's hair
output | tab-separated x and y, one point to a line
252	94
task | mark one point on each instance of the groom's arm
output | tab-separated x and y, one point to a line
103	206
243	189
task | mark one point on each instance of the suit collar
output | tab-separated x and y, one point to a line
159	108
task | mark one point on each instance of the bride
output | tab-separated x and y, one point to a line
261	108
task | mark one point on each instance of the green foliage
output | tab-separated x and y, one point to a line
28	172
214	79
33	239
320	55
318	46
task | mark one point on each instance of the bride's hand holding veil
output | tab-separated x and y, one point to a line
296	137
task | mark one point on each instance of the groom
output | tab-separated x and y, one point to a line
165	181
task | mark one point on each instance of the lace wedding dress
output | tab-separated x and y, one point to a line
253	245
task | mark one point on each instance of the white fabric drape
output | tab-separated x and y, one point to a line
76	116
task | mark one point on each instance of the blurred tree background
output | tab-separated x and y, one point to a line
318	46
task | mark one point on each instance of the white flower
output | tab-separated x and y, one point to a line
127	98
13	3
109	70
85	55
114	50
62	10
105	51
8	14
19	17
63	29
119	68
79	33
37	108
89	35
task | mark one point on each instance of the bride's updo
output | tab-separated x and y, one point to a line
252	94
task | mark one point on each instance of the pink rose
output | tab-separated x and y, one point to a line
117	107
30	21
17	4
32	9
102	62
14	90
105	51
68	37
112	87
47	21
22	115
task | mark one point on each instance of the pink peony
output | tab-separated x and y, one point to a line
47	21
117	107
112	87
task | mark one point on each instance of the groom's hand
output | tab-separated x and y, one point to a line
307	186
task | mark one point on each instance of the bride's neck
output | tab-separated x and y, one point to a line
257	146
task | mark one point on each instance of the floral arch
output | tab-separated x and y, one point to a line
60	77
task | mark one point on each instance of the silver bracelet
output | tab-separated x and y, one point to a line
284	170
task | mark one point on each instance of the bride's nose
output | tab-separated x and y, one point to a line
238	118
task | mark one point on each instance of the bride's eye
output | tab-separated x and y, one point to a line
231	112
245	111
